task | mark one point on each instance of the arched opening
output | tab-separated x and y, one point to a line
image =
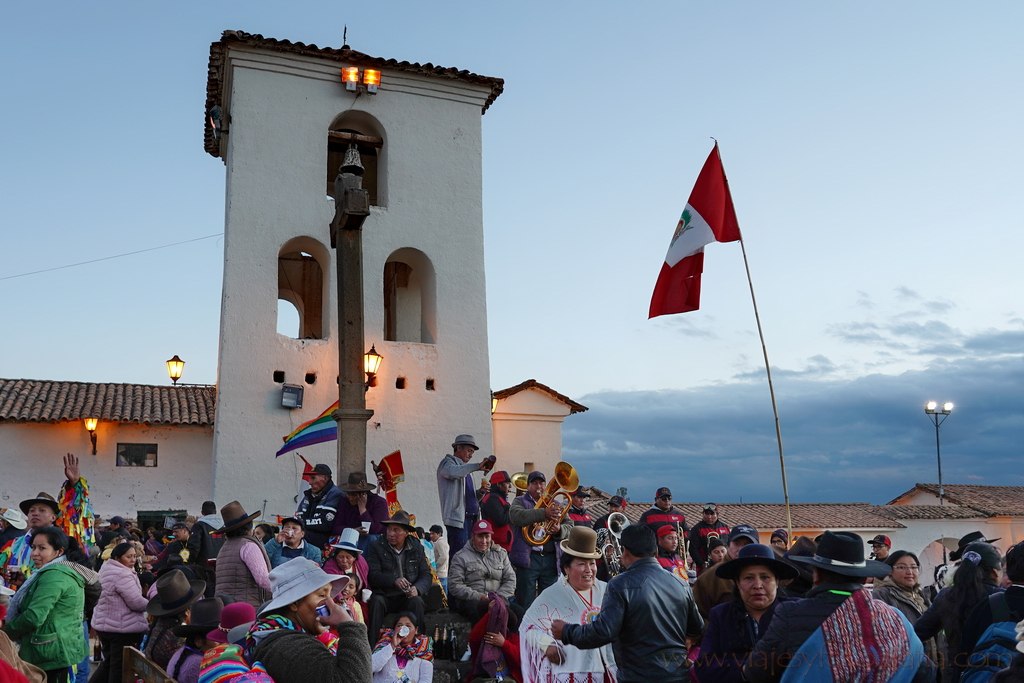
410	294
301	295
362	130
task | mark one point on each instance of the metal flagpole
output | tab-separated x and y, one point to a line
768	369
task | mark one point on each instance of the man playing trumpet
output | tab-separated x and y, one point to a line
535	566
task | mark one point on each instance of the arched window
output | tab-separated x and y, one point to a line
300	289
410	294
362	130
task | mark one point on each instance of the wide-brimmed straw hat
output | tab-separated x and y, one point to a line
349	541
756	553
297	578
233	615
13	517
357	483
582	542
400	518
175	593
234	517
44	498
205	615
842	552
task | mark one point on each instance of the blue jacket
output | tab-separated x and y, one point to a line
275	551
647	614
317	513
730	636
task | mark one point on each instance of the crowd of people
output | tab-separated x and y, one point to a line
340	590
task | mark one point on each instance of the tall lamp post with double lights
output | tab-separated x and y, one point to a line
938	414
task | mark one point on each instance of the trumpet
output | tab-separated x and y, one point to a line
608	541
562	482
519	481
707	547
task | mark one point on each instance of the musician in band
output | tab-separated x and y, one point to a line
494	507
535	566
663	512
669	556
710	526
615	504
577	513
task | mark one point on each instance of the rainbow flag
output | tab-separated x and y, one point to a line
318	430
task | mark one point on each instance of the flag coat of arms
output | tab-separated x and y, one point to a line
709	217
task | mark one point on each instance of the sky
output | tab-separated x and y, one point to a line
873	150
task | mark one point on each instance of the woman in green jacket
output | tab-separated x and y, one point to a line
46	613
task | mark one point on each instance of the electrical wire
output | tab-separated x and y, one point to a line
108	258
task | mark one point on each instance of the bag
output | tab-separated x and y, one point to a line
996	646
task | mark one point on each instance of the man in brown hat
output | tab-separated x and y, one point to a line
175	595
399	573
361	509
319	506
44	510
243	566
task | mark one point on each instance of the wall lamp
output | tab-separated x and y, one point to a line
352	78
494	403
175	366
371	363
90	426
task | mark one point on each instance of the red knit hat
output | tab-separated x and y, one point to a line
666	530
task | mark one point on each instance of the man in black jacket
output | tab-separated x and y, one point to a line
319	506
647	614
399	574
848	635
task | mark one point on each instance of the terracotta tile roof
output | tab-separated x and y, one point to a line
574	407
990	500
928	512
29	400
218	51
768	516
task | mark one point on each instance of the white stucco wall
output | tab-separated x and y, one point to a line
280	110
31	460
528	428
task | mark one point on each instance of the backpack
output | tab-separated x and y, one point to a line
996	646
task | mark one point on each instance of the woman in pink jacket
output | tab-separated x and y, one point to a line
120	614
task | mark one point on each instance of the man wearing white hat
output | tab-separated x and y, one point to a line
12	525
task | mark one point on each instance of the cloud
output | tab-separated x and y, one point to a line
687	327
865	439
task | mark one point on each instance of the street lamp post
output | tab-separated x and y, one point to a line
938	414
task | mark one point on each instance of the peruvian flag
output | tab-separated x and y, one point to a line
709	217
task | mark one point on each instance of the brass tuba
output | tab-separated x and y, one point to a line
707	547
519	481
608	542
562	483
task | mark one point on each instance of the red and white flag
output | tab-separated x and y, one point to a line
709	217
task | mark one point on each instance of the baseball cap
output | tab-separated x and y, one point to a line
617	501
500	477
709	507
179	525
580	492
881	540
117	519
665	530
322	469
483	527
535	475
663	491
293	520
743	531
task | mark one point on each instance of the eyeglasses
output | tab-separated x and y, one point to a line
906	568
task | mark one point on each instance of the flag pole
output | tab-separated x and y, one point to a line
771	386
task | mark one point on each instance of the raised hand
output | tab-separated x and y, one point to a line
71	470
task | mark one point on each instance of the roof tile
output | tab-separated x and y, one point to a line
29	400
